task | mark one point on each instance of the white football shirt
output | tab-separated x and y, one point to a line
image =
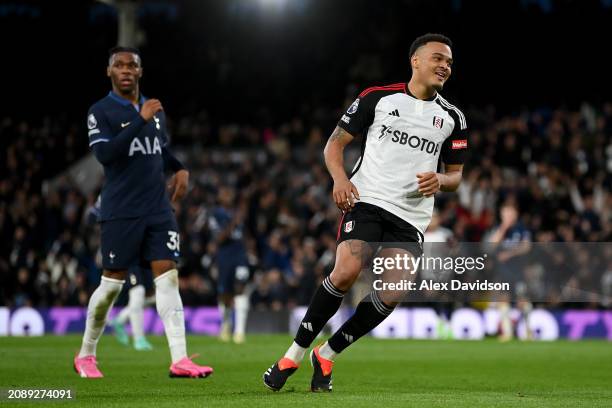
402	136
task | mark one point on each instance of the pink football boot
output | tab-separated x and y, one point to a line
187	368
87	367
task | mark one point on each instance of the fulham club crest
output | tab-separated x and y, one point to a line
438	122
348	226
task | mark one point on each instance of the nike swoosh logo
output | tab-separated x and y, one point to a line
124	124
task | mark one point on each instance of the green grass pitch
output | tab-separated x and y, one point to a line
371	373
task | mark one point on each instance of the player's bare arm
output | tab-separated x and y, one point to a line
178	185
344	191
430	182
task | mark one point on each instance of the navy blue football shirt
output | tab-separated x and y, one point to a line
134	155
219	220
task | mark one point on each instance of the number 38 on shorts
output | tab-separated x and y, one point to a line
133	241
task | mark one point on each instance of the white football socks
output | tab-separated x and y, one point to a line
241	305
123	315
136	310
296	353
170	310
99	305
505	321
226	314
149	300
226	321
135	293
327	353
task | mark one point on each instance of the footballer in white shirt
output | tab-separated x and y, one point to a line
409	132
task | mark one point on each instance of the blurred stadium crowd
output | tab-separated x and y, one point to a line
554	165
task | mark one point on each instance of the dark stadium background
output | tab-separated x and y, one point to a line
270	82
248	63
252	90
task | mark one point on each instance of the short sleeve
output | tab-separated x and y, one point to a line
360	115
98	129
455	147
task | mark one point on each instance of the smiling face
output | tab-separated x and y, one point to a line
431	64
124	70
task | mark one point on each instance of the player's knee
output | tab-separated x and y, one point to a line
119	275
343	277
226	299
160	267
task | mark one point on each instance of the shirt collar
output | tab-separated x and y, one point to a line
410	93
124	101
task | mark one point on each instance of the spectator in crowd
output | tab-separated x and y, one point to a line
555	165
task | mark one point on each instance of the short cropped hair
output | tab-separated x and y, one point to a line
118	49
429	37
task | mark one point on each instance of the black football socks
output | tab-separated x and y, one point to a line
370	312
324	304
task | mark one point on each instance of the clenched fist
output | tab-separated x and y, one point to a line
150	108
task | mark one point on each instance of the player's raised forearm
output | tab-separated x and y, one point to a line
334	153
498	235
118	146
450	180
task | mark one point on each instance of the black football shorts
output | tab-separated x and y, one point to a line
379	227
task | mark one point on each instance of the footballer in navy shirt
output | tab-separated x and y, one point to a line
226	224
128	136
